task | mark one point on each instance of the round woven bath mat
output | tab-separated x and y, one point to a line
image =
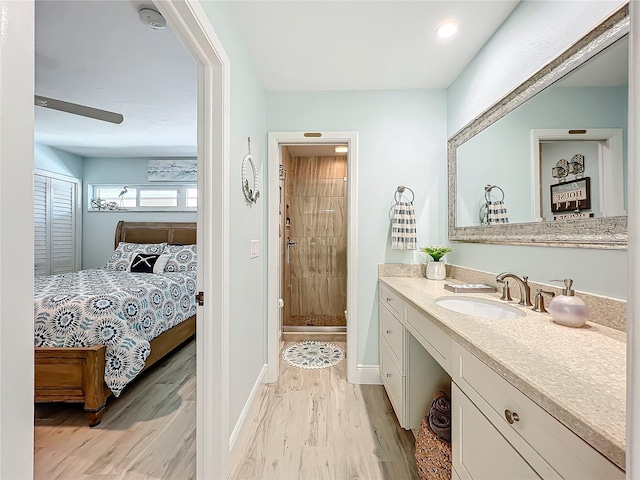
312	354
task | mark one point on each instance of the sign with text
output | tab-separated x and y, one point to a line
574	195
570	216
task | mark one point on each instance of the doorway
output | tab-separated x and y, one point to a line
313	238
191	24
277	237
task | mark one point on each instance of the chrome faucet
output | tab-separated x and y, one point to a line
525	290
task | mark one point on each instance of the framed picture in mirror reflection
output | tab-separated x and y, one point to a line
571	196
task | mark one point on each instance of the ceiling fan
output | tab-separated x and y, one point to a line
76	109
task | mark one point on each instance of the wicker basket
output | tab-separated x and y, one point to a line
433	455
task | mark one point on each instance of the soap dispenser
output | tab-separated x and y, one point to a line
567	309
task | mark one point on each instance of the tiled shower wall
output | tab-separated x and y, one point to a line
316	278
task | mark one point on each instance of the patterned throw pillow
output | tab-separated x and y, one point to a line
143	263
123	255
182	258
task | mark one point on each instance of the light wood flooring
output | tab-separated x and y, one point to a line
313	424
147	433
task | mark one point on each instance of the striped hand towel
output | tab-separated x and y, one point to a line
496	213
403	230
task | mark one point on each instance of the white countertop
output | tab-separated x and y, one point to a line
578	375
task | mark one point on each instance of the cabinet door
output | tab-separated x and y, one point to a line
393	383
392	331
480	451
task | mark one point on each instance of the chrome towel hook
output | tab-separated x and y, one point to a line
400	190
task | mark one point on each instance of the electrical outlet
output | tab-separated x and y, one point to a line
255	248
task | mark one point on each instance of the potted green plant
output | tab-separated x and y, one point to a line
436	270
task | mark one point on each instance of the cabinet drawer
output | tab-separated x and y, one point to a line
479	449
393	332
393	382
432	338
549	447
390	300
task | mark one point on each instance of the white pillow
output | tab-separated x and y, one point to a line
161	262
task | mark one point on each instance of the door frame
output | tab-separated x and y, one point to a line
275	141
191	25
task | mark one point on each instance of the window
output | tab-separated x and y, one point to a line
158	198
192	196
143	198
112	194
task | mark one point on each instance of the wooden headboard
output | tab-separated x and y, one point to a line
174	233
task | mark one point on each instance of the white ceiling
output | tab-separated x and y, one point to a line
99	54
364	45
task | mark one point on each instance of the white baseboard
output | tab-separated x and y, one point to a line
241	430
368	374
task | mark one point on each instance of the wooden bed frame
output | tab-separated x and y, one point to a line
76	375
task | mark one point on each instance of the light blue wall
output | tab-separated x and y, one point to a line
56	161
98	228
535	33
401	141
247	329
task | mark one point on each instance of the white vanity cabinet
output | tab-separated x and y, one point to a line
480	451
497	431
409	373
548	448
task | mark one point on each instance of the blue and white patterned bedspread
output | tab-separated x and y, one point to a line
120	310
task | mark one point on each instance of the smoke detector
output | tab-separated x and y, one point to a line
152	18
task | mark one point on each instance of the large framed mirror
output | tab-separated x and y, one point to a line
546	165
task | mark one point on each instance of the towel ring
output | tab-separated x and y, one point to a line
487	191
400	190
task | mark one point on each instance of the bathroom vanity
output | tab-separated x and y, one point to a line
530	398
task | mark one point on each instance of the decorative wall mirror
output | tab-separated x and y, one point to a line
556	148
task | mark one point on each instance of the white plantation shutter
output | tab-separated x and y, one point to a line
62	226
55	225
41	233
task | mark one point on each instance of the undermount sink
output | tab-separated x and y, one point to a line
479	307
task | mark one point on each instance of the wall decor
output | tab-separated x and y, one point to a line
574	195
250	177
173	170
101	204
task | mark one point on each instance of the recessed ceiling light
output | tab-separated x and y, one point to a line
446	30
342	149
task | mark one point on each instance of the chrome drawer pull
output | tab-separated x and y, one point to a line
388	332
388	299
511	416
388	375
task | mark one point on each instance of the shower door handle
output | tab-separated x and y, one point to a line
289	245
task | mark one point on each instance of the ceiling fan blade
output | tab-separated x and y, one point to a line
76	109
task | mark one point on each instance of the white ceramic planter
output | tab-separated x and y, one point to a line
436	270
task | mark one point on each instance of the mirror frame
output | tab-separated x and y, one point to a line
602	232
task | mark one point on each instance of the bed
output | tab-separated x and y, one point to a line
89	374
